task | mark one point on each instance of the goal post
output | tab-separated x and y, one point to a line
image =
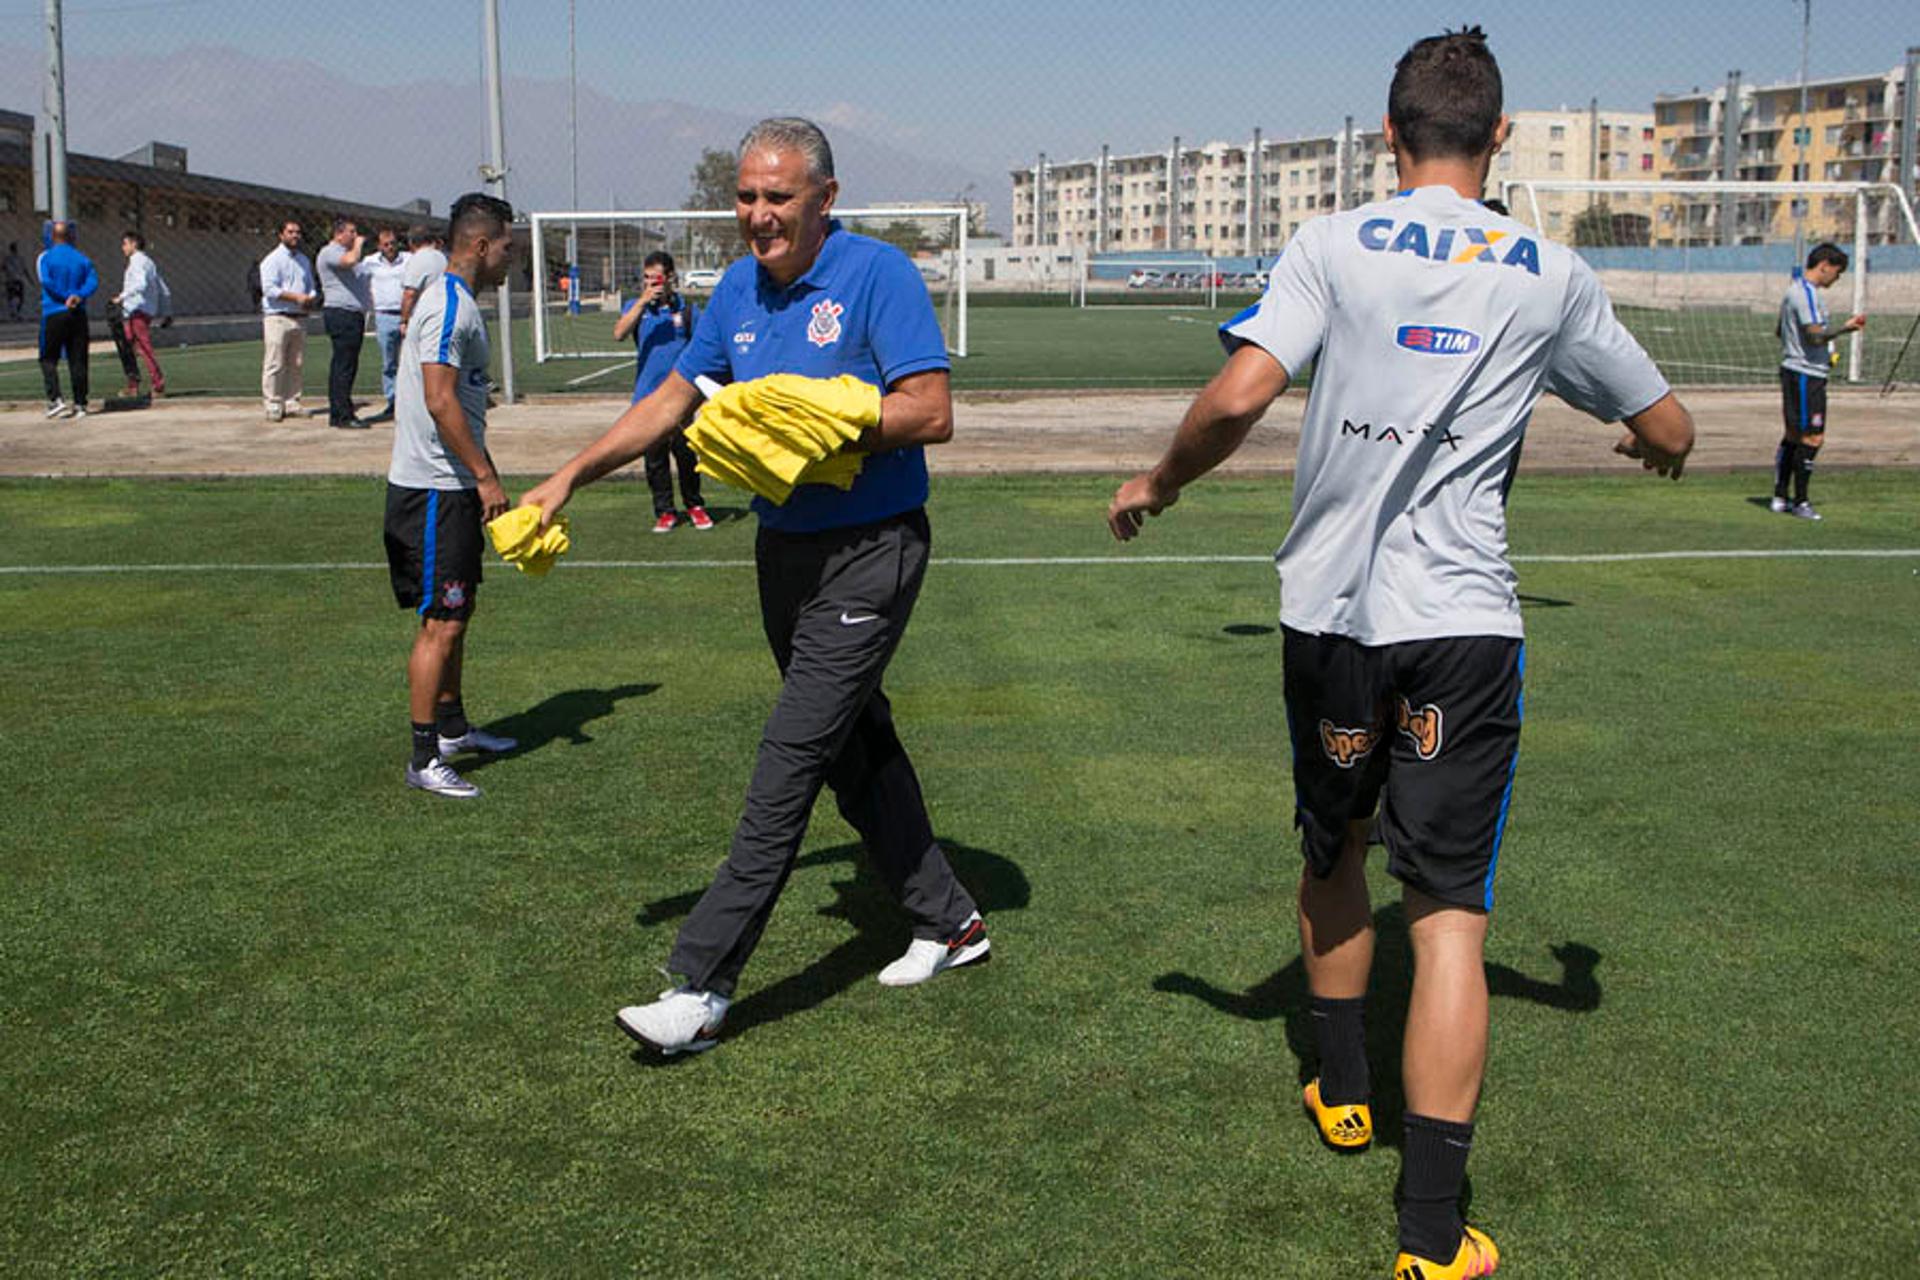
587	264
1697	270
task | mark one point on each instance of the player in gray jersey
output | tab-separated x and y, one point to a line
1806	337
442	488
1432	325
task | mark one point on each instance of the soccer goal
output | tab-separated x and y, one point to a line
1697	269
587	266
1191	281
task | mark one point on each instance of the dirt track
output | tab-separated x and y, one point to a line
1004	432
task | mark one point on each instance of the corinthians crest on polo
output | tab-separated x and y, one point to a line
824	329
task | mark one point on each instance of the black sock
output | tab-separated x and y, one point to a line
1340	1034
1432	1170
1803	472
1783	468
452	717
426	744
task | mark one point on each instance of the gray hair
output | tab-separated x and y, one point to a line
791	133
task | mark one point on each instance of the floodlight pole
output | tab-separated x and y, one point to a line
496	183
56	108
573	145
1804	134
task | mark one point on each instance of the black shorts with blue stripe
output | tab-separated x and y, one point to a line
1803	403
434	541
1427	732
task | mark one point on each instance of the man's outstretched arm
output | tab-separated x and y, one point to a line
646	421
1214	426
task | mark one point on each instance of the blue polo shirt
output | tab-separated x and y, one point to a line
660	338
860	309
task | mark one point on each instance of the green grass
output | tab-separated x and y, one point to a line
267	1012
1015	343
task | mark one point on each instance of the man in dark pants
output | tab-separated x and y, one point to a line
67	280
661	323
1807	332
839	573
347	295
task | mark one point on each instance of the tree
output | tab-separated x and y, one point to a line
1593	226
909	237
713	183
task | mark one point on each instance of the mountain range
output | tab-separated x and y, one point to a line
294	124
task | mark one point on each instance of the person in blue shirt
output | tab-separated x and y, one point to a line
839	571
67	280
661	323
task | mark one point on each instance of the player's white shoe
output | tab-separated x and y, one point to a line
926	957
682	1020
438	777
1779	506
1804	511
476	740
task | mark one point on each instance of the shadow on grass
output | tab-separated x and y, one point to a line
1284	995
564	715
880	929
1248	629
1543	602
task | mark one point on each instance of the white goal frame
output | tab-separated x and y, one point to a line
1705	191
957	261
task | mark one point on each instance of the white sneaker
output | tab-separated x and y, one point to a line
1779	506
680	1021
79	411
1804	511
57	408
926	957
439	778
476	740
276	411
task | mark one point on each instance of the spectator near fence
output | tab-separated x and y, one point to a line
15	272
386	271
346	298
143	298
67	280
286	294
427	263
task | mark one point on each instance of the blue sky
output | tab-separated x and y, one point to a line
990	82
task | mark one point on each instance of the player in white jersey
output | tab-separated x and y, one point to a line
442	488
1432	324
1807	332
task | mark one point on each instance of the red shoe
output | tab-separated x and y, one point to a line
667	522
701	520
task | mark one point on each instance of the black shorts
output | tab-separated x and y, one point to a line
1803	403
433	549
1429	731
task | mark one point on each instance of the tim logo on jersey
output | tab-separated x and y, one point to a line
1437	340
1450	244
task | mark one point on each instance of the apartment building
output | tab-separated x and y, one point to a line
1853	129
1246	199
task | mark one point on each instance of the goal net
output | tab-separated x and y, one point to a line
1697	270
587	266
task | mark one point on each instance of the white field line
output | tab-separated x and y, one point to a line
981	562
598	373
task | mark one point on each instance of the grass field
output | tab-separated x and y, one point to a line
267	1012
1011	347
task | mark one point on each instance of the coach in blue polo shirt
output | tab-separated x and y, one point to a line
839	572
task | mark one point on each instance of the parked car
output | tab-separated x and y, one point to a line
1144	278
701	278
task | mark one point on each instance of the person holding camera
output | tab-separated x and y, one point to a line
661	322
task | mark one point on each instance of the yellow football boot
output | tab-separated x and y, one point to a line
1477	1257
1343	1126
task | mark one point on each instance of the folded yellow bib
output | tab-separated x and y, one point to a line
517	537
772	434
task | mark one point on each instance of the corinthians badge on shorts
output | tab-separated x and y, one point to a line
824	329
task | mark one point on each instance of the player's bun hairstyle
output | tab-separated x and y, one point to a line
1828	252
658	258
476	214
1446	96
792	133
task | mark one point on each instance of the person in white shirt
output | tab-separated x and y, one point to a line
425	264
1432	325
143	298
386	272
287	293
